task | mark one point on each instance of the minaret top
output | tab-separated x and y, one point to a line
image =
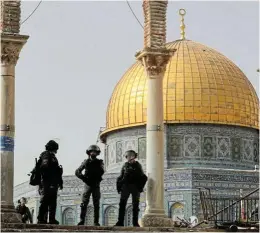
154	23
182	13
10	16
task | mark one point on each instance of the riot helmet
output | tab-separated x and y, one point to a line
93	148
130	155
23	201
52	146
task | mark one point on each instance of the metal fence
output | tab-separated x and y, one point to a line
239	211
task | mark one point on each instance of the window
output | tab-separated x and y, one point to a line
111	215
177	212
68	217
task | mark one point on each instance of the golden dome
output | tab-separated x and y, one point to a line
200	86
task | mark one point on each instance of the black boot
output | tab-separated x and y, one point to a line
52	212
135	215
52	219
96	216
41	222
43	212
121	215
54	222
119	224
82	214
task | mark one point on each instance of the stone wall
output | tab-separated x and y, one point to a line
10	16
181	193
190	145
216	146
196	155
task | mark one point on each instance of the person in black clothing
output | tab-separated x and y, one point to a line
24	211
94	169
131	181
19	203
51	180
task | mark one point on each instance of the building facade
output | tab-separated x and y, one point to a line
211	133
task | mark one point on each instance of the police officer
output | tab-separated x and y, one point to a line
94	169
131	181
24	211
51	180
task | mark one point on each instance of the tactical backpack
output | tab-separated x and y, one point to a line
35	176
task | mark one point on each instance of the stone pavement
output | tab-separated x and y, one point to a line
9	227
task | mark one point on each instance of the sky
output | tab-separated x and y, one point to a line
78	51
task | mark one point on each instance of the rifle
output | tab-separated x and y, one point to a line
29	174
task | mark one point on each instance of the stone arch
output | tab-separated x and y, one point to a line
111	216
129	216
89	220
177	211
68	216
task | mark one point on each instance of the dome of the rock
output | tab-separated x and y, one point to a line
200	86
210	135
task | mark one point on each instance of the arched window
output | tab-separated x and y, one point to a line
177	212
129	216
68	217
111	216
89	220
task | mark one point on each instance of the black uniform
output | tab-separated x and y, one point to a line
129	182
94	169
25	212
51	180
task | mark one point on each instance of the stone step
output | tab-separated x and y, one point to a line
21	227
121	230
11	227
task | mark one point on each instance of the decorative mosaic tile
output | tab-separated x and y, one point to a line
141	148
223	148
192	145
112	155
256	152
174	146
107	155
119	152
130	145
232	161
236	149
247	149
208	147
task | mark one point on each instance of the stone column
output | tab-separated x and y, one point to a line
155	57
11	46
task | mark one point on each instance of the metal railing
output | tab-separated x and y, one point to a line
242	211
